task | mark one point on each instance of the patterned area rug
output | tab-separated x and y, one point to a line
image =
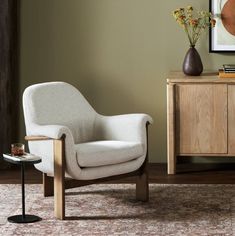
111	209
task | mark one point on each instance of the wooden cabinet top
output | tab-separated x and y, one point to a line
176	77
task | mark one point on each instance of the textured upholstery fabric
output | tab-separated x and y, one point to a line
110	170
101	153
56	108
59	104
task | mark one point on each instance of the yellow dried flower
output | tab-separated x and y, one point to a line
189	8
194	23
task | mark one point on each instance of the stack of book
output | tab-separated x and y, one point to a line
228	71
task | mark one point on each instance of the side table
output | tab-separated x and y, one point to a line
24	218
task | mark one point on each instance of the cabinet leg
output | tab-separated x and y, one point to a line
171	157
171	164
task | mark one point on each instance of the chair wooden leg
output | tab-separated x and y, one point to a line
142	181
142	187
48	185
59	179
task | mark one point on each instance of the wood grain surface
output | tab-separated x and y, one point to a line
231	119
171	156
201	118
59	179
204	78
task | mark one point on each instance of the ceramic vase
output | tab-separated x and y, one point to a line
192	62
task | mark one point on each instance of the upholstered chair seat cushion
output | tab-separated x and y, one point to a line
101	153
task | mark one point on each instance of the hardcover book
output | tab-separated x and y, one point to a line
229	66
224	75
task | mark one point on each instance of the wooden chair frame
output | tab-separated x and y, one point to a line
56	185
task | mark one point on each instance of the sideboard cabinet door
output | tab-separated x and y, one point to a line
231	119
201	118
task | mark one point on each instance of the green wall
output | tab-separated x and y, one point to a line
116	52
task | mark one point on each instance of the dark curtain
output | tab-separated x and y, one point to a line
8	75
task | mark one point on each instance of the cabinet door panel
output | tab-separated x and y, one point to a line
201	118
231	119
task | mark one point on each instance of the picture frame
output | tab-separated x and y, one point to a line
222	36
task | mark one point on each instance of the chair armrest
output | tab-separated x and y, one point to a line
53	132
130	127
46	132
36	138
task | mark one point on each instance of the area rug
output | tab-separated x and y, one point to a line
111	209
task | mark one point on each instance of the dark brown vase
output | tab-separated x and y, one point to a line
192	62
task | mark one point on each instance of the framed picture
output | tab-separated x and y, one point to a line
222	36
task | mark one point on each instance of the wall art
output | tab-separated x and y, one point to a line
222	36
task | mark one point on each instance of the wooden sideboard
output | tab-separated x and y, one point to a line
200	117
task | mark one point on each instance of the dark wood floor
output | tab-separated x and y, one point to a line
186	174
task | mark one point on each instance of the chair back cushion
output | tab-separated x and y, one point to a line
59	103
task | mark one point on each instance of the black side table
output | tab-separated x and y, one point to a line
24	218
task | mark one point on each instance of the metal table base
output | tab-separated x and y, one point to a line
24	218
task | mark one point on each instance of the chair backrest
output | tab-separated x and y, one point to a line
59	103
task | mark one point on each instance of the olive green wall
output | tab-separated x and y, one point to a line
116	52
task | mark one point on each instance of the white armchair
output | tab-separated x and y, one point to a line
78	146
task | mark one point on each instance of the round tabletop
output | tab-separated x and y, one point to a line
18	160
